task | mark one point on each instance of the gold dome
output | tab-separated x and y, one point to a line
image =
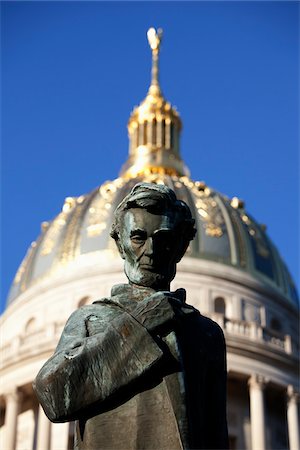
226	234
154	129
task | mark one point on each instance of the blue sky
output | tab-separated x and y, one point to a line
73	71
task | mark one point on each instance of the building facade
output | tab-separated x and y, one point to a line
232	273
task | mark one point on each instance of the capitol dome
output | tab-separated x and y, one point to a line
226	234
232	272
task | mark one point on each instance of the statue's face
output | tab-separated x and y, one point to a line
149	247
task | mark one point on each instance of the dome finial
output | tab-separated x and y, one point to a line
154	39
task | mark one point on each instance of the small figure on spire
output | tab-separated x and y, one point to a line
154	39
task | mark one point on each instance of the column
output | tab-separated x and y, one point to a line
257	412
60	436
141	134
159	138
44	431
134	139
168	134
292	418
149	133
288	344
13	400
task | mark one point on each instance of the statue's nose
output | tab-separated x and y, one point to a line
149	247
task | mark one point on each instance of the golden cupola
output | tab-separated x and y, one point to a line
154	128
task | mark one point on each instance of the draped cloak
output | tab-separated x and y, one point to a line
129	388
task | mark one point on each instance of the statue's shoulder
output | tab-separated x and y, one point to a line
206	329
98	308
210	325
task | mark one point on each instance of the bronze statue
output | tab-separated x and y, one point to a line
141	369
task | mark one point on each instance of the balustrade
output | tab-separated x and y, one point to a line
250	330
31	342
256	332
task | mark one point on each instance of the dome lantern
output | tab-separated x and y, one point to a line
154	128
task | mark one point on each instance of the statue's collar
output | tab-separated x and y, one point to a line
125	295
137	293
133	292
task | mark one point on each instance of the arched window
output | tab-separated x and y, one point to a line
83	301
220	305
163	137
172	135
154	126
30	326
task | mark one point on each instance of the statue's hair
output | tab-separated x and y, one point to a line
157	199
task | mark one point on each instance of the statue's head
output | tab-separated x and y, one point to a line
152	230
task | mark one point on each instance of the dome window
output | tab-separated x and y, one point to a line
30	326
275	324
220	305
83	301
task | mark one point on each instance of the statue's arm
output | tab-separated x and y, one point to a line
97	355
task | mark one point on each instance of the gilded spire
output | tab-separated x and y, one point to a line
154	128
154	39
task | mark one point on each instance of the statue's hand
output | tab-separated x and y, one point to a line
158	312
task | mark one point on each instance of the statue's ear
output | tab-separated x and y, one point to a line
182	248
120	248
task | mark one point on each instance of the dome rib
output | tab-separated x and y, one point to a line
230	230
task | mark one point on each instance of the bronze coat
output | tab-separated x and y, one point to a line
130	388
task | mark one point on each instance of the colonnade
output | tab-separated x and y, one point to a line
256	385
155	132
